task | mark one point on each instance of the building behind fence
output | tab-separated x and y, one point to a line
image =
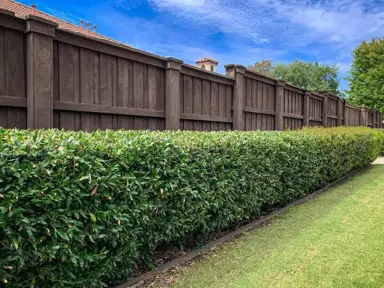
53	78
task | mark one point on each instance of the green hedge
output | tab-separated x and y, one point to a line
82	210
382	147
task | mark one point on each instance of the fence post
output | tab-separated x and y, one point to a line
279	103
39	54
346	115
340	108
374	122
237	72
380	120
306	108
325	109
363	117
172	94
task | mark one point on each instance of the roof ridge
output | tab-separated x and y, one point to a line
207	59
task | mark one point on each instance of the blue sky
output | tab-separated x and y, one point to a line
241	32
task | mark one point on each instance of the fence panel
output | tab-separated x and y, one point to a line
293	107
259	102
13	101
371	120
205	99
315	111
332	111
353	115
95	90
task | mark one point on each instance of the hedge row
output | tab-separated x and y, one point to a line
382	147
81	210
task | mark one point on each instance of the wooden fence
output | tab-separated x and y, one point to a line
54	78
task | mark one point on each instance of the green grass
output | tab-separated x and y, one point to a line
335	240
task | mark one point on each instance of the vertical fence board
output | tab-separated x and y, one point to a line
214	105
229	106
64	69
103	86
206	104
188	101
86	82
14	63
152	95
2	66
197	103
123	93
222	103
12	77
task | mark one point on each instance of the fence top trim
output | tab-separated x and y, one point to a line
203	71
295	88
260	74
353	106
109	43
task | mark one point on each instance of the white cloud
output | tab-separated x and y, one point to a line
326	31
291	23
323	30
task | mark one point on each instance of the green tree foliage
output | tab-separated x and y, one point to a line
85	210
306	75
264	67
366	80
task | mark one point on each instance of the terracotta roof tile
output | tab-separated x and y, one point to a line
207	59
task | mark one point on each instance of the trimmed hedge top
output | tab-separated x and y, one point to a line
82	210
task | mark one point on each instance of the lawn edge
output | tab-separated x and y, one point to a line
140	280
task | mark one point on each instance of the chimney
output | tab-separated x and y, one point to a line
33	9
81	24
95	29
207	63
88	27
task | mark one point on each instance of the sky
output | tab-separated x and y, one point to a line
233	32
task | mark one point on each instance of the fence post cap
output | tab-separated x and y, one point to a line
173	63
40	19
324	93
238	68
175	60
234	65
40	25
280	83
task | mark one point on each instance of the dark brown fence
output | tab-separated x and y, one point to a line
54	78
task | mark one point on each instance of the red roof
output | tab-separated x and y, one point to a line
22	10
207	59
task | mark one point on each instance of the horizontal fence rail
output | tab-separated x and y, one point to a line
53	78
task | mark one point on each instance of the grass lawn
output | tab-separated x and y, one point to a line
335	240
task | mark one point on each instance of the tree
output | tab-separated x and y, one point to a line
264	67
366	80
306	75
